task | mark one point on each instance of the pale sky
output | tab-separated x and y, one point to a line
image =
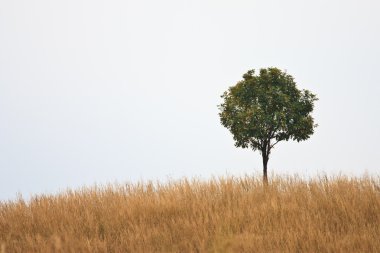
98	91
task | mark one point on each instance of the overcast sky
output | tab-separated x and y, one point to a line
96	91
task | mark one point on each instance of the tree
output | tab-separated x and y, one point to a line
262	110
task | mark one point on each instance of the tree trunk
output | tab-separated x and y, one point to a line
265	168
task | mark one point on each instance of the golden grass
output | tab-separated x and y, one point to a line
220	215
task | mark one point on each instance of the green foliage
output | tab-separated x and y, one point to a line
264	109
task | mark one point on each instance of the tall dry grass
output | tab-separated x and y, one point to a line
219	215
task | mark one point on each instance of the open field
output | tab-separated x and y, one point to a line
220	215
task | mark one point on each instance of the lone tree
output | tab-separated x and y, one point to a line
264	109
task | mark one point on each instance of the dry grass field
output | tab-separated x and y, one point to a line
220	215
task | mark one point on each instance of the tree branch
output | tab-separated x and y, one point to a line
274	144
272	132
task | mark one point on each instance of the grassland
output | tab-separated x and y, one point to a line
219	215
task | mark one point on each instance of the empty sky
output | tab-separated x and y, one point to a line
104	91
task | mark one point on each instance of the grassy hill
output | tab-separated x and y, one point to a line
219	215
